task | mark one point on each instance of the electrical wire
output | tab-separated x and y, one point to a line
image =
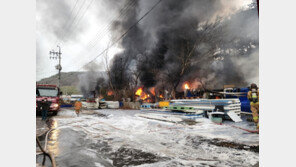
80	18
67	30
68	21
69	24
70	15
131	27
122	12
101	34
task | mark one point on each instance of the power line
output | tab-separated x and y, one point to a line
81	16
102	35
70	15
131	27
107	27
68	27
123	12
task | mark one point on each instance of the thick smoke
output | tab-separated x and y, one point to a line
92	81
190	40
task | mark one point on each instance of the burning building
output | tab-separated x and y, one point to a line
213	42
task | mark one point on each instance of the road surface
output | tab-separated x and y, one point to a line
126	138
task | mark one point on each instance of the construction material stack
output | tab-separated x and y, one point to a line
225	108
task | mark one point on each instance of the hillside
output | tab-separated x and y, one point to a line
70	81
67	79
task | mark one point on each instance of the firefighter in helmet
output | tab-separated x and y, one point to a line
253	96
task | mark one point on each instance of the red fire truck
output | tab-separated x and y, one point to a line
51	93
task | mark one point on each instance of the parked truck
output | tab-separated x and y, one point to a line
52	94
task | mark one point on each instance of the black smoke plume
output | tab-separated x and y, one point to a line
207	41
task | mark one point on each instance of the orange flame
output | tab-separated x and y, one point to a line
142	94
139	91
186	86
152	90
161	96
109	93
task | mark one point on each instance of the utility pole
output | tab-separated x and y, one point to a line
57	55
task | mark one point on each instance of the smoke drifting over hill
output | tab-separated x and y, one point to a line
91	81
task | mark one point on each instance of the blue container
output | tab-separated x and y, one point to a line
245	103
66	105
120	104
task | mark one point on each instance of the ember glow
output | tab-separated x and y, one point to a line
152	90
109	93
144	96
186	86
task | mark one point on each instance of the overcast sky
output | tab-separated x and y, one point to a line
80	40
80	28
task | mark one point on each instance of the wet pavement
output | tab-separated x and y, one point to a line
122	138
42	127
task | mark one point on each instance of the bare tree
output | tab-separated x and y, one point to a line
108	71
189	54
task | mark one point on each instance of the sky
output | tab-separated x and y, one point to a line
81	29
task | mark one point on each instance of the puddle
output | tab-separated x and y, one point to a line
198	140
189	121
125	156
129	156
228	144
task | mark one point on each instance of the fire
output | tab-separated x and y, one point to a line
186	86
109	93
139	92
142	94
161	96
152	90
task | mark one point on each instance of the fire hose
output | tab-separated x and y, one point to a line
46	137
44	150
247	130
51	157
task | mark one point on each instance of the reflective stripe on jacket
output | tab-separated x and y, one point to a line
253	97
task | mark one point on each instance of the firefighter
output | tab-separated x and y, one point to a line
78	106
45	106
253	96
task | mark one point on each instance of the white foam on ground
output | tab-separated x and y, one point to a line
67	112
167	139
